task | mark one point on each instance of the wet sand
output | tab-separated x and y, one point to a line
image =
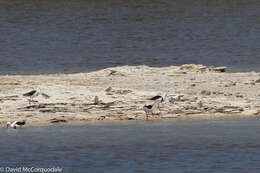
193	91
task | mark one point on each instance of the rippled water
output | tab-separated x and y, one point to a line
50	36
206	145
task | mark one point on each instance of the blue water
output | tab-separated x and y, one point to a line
192	145
67	36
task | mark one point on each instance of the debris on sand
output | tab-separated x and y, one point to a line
194	90
201	68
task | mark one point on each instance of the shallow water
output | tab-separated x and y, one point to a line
192	145
50	36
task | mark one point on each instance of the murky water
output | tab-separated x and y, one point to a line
206	145
50	36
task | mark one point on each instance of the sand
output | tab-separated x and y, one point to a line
193	91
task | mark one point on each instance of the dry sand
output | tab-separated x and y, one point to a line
194	91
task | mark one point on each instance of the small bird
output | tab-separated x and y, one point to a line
15	124
150	109
162	97
96	100
32	94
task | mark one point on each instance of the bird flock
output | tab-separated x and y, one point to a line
149	109
31	95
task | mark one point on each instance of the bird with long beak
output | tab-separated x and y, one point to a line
15	124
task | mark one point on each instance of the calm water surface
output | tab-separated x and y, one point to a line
206	145
50	36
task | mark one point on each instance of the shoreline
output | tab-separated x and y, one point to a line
151	120
193	91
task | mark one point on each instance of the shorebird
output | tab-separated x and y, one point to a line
162	97
96	100
150	109
159	99
15	124
32	94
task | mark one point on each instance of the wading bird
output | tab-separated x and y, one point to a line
32	94
151	109
15	124
159	97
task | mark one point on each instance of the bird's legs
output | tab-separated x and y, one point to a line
29	100
33	101
158	107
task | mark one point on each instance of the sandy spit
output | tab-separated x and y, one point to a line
120	93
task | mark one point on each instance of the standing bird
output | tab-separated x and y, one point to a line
159	99
96	100
15	124
32	94
150	109
162	97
